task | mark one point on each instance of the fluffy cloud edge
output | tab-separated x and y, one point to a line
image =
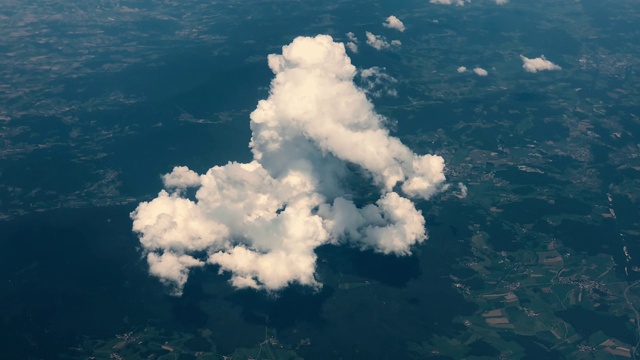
538	64
393	22
379	42
261	221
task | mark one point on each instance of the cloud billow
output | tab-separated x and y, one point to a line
261	221
379	42
393	22
480	71
538	64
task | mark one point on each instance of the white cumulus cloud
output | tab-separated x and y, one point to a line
462	69
379	42
314	136
463	190
501	2
480	71
393	22
352	44
538	64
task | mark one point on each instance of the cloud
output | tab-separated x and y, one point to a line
463	190
315	141
379	42
181	177
393	22
172	269
377	83
352	44
501	2
450	2
462	69
480	71
538	64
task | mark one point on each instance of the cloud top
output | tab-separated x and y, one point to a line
314	135
480	71
393	22
538	64
352	44
379	42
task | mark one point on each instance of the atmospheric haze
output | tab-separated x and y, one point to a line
262	221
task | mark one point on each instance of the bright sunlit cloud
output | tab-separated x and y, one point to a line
315	136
